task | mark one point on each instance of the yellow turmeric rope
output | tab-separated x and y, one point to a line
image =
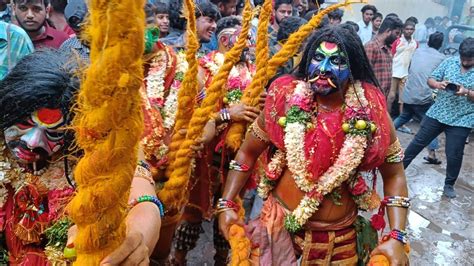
173	188
108	126
233	139
235	134
177	184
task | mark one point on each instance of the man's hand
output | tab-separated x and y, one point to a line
462	91
133	251
441	85
241	112
394	251
226	219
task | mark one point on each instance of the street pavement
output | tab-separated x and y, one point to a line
441	230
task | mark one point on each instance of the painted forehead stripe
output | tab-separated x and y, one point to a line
329	47
49	117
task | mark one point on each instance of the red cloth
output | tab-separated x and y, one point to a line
51	38
69	31
322	144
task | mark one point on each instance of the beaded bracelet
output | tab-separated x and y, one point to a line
224	205
149	198
236	166
399	235
224	115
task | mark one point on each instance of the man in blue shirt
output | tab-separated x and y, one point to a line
14	45
452	112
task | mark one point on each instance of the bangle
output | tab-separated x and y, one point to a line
224	115
399	235
397	201
224	205
240	167
143	171
148	198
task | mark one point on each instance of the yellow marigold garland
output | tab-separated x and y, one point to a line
238	241
233	139
108	126
172	191
235	134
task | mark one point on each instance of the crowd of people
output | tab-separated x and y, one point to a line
319	131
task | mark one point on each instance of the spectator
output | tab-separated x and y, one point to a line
163	18
392	15
443	25
14	45
402	51
226	7
376	22
379	53
451	113
300	7
335	17
75	12
423	31
353	25
5	11
469	21
31	16
177	20
412	19
206	16
417	96
287	27
454	20
365	25
57	18
282	9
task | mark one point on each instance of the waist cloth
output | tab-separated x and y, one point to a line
319	243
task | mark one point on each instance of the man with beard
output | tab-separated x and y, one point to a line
36	169
205	184
326	130
31	15
207	14
379	51
282	9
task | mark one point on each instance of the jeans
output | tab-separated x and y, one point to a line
455	142
417	111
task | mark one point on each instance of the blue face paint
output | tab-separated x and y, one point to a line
328	68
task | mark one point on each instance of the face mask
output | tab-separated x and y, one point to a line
152	34
328	69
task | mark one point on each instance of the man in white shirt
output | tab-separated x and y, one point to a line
365	25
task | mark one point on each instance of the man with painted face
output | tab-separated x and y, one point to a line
207	176
326	131
36	174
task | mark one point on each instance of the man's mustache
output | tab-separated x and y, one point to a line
21	144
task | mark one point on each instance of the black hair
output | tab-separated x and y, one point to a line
438	18
59	5
347	39
466	49
336	14
162	8
377	15
288	26
228	22
177	21
45	2
150	10
446	17
220	1
436	40
353	25
278	3
391	15
412	19
390	23
207	9
43	79
369	7
409	23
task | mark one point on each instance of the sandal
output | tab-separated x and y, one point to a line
430	160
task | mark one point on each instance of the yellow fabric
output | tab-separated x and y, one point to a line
108	126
